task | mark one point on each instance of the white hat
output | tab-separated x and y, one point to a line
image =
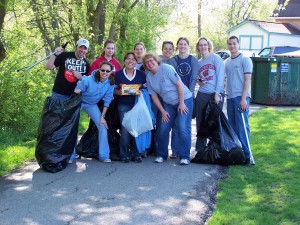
83	42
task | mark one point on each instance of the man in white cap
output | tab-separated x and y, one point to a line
71	67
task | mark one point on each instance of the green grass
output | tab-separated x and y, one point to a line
17	149
267	193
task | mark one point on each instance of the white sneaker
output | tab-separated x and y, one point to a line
70	161
106	160
158	159
184	162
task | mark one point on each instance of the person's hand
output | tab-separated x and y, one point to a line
243	105
77	74
217	98
103	121
58	51
165	117
183	109
77	91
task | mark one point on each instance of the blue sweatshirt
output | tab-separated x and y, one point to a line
93	92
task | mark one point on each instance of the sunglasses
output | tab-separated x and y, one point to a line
105	71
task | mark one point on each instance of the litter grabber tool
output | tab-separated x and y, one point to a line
27	68
252	162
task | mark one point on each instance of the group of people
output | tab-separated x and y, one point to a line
169	80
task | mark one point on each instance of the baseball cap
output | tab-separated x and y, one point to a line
83	42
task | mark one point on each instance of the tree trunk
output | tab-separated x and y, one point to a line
112	31
199	17
2	15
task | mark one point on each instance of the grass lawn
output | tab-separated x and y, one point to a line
17	149
267	193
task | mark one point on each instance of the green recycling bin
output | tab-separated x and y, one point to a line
276	81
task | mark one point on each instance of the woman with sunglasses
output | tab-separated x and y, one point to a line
98	86
108	54
129	75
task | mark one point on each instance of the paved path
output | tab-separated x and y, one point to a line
90	192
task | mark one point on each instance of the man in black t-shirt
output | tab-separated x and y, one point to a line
71	67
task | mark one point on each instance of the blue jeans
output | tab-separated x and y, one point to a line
126	140
182	133
64	98
236	121
94	112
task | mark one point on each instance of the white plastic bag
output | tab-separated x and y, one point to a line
138	120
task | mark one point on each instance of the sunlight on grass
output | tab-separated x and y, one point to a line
266	193
17	149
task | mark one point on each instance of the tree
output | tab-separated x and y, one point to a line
2	15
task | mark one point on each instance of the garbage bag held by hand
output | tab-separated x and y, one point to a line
224	147
57	133
138	120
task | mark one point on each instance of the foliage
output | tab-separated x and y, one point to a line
266	193
33	29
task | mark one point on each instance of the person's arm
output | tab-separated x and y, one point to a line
220	74
181	107
50	64
194	77
247	84
165	114
102	119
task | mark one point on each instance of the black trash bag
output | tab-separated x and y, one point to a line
224	147
211	154
88	145
57	133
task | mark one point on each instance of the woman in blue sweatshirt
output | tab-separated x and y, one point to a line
100	85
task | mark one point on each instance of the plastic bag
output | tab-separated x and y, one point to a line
138	120
57	133
223	147
88	145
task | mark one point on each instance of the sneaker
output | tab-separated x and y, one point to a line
158	159
106	160
70	161
138	159
184	162
173	156
144	154
125	160
114	157
78	156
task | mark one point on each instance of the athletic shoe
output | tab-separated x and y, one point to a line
106	160
137	159
144	154
159	159
125	160
173	156
184	162
70	161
